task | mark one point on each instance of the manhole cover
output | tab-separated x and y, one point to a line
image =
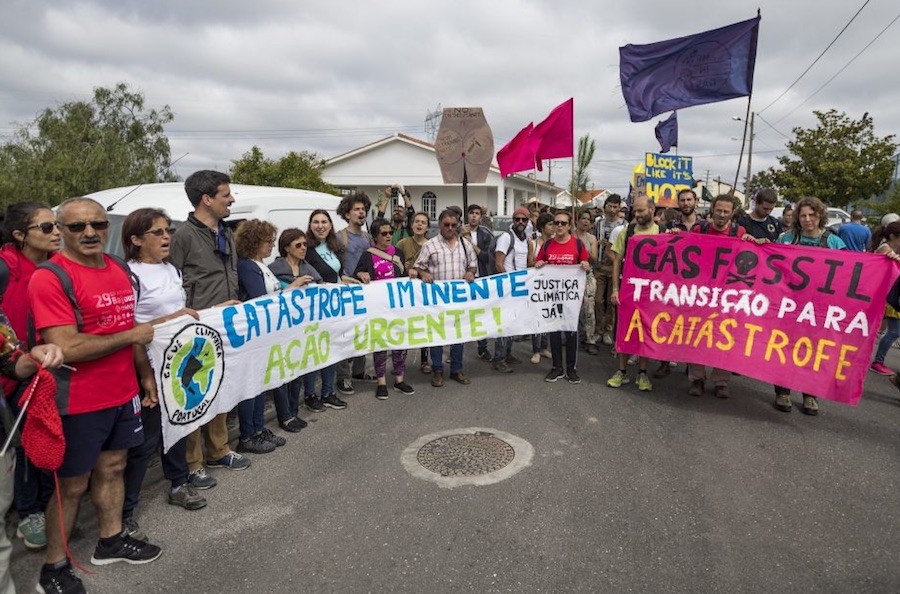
470	456
467	454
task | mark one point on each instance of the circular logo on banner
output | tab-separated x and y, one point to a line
192	373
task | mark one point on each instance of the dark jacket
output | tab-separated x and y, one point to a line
325	271
486	265
251	283
282	270
209	276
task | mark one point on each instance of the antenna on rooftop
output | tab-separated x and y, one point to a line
432	123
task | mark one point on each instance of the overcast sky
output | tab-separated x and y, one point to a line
331	76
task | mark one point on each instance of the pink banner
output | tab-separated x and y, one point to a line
800	317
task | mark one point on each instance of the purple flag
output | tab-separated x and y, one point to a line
667	133
703	68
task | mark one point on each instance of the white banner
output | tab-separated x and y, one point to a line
232	353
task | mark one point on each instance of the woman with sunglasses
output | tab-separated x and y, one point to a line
323	254
30	237
563	249
382	261
540	343
410	248
146	235
289	267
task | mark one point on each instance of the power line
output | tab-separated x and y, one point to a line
766	122
874	39
841	32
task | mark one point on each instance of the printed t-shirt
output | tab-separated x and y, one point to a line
106	300
556	253
384	268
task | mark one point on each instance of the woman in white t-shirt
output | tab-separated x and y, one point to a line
146	234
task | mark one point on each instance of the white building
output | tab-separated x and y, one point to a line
412	162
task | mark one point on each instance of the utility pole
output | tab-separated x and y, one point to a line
749	154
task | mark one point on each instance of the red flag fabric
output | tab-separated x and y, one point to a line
555	135
518	154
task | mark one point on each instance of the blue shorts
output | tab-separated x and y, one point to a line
87	434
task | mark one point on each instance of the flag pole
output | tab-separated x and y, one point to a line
743	144
537	198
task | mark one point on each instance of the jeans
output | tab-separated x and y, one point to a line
328	375
456	357
556	340
891	334
287	400
502	348
347	368
539	342
252	415
482	345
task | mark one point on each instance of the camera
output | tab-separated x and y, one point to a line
395	191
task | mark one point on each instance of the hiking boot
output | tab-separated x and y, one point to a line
381	392
31	530
619	379
200	479
722	391
268	435
59	580
881	368
256	445
782	402
591	349
314	403
132	529
484	355
461	378
231	461
404	388
125	548
536	358
810	405
512	360
502	367
573	377
332	401
425	368
697	387
293	425
345	387
186	496
643	382
437	380
554	374
663	370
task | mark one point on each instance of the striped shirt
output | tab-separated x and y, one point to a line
444	261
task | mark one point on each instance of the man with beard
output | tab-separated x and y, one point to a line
642	225
514	251
759	222
604	312
687	205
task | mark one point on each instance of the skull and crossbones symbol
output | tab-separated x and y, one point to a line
745	262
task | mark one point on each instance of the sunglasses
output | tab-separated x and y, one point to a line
79	227
386	233
560	223
299	245
159	232
520	219
46	228
450	225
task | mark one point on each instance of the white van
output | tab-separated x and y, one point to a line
283	207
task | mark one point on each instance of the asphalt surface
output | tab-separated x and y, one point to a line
627	492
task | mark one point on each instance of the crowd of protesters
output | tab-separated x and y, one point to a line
97	312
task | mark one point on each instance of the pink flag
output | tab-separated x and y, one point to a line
555	135
518	153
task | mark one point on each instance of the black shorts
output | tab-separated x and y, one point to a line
88	434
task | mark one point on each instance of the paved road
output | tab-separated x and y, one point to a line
627	492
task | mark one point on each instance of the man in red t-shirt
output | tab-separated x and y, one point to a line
99	402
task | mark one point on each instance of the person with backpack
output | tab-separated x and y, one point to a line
514	251
481	241
563	249
890	246
811	217
759	222
30	237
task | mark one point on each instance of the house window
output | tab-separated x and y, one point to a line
429	204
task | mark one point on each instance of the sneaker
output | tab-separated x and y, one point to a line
697	388
484	355
59	580
536	358
881	369
643	382
256	445
782	402
314	403
502	367
127	549
425	368
405	388
132	529
365	377
619	379
554	374
186	496
591	349
31	530
200	479
332	401
607	338
231	461
573	377
345	387
512	360
268	435
632	360
381	392
810	405
292	425
546	354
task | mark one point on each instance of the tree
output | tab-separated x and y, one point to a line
84	146
762	179
578	184
294	170
840	161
